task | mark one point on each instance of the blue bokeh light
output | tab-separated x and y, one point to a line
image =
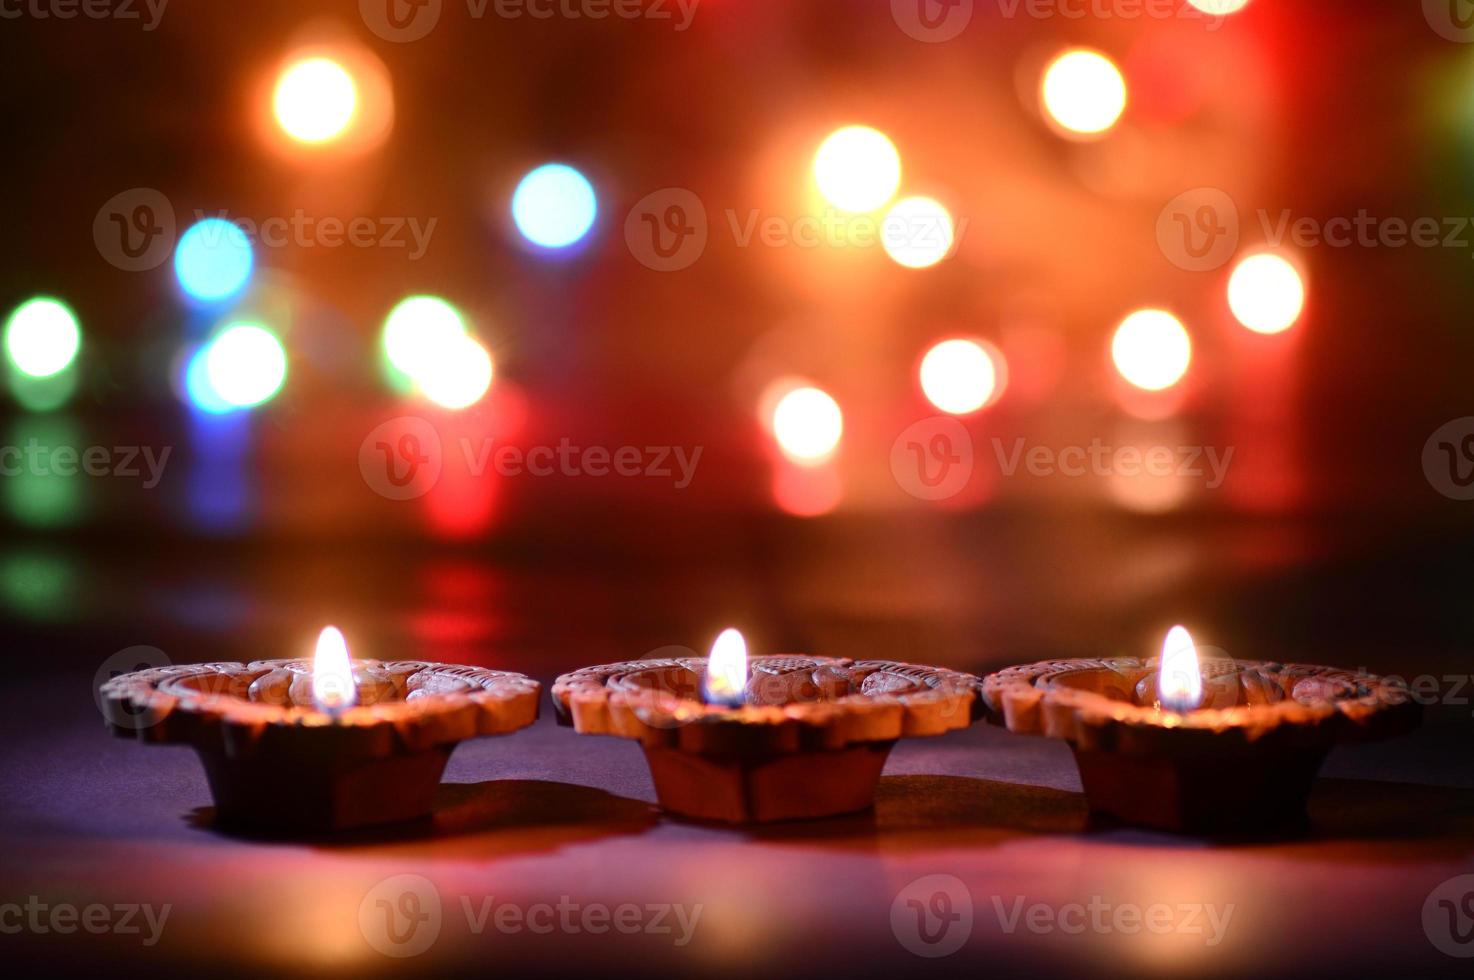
554	206
213	260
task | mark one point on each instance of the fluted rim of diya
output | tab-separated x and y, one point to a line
793	703
1089	703
244	710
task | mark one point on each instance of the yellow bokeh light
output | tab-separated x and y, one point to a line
857	168
1084	92
958	376
460	374
1266	293
315	100
808	424
1151	349
917	232
1219	8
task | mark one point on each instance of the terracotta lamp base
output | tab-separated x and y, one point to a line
810	740
276	763
803	786
273	795
1244	764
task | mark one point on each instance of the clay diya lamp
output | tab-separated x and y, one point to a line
1217	746
771	738
331	744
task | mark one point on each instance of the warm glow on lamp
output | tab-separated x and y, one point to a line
315	100
808	425
857	168
1179	679
1219	8
917	232
1151	349
1266	293
332	673
959	376
726	670
1084	92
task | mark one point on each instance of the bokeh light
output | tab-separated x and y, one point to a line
42	337
808	424
459	374
245	365
1219	8
315	100
554	206
917	232
416	331
1266	293
213	260
959	376
1151	349
857	168
1084	92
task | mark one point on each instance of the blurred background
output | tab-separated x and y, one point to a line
966	332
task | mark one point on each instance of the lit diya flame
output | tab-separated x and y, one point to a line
1179	680
332	673
726	670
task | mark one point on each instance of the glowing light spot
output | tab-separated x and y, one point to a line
460	375
213	260
333	688
917	232
1151	349
418	332
857	168
958	376
808	425
1219	8
245	365
554	206
1084	91
726	670
1266	293
315	100
42	338
1179	678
